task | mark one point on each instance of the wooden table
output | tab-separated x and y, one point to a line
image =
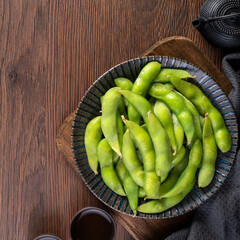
50	53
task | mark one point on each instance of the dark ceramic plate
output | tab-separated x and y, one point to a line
89	107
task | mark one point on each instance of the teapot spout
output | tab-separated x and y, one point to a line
199	24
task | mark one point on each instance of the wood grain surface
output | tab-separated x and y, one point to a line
50	53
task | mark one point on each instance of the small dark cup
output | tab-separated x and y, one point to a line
47	237
92	223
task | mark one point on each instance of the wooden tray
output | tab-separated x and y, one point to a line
178	47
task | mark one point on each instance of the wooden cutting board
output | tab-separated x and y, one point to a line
179	47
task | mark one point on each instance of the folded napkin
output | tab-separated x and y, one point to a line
219	217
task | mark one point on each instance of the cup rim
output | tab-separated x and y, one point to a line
54	237
97	209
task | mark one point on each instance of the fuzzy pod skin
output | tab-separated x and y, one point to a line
163	76
144	143
163	113
109	126
124	84
179	157
108	173
158	206
131	160
141	193
178	131
156	131
207	168
141	86
196	117
189	173
204	105
221	133
174	175
176	104
93	135
130	187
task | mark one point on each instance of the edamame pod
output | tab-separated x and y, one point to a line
141	193
207	168
176	104
196	116
169	85
162	77
121	107
93	135
163	113
109	118
109	175
178	131
123	83
157	132
179	157
189	173
130	187
131	160
144	143
204	105
141	85
158	206
221	133
120	130
174	175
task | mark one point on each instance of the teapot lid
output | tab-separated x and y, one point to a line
225	31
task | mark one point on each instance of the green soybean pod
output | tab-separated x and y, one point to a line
162	77
141	193
207	168
139	155
189	173
109	175
157	132
131	160
163	113
120	131
158	206
124	84
121	107
190	91
196	116
178	131
221	133
176	104
109	118
174	175
179	157
204	105
130	187
169	85
141	85
152	101
93	135
144	143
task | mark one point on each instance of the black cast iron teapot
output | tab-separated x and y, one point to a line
219	22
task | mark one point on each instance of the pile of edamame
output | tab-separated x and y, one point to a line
153	135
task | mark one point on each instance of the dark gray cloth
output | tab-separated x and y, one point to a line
219	217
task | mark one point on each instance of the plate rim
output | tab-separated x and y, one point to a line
149	59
